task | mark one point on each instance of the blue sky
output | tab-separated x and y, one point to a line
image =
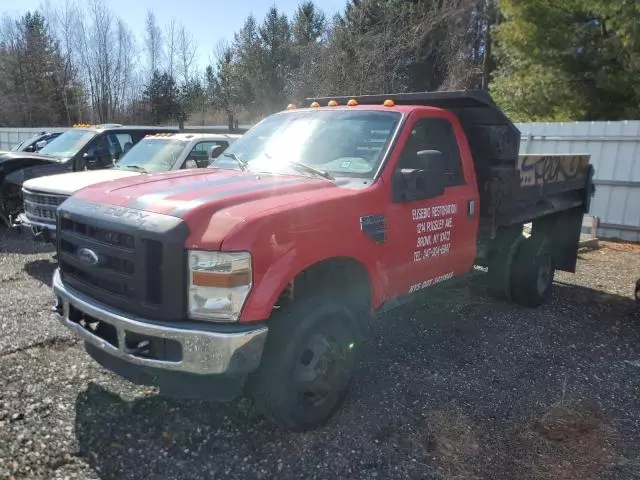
209	21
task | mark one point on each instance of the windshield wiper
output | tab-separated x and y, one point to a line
312	170
306	168
135	167
241	163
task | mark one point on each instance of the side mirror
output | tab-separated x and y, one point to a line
215	151
422	183
190	164
89	160
30	148
41	144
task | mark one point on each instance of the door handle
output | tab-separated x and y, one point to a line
471	208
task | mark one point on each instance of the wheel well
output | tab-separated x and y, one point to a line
563	230
340	276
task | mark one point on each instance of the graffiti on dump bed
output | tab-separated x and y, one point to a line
544	169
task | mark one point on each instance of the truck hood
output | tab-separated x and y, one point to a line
16	156
69	183
199	193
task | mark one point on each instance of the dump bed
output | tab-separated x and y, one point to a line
513	188
538	185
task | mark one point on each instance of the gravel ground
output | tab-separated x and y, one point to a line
456	385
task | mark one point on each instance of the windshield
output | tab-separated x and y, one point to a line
347	143
23	143
152	155
68	144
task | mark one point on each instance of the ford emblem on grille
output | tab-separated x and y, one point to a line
88	256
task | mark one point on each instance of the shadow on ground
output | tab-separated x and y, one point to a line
15	241
457	385
41	270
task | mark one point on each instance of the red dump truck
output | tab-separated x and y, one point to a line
258	273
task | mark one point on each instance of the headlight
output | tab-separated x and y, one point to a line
219	283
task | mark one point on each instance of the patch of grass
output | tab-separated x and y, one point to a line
569	442
451	438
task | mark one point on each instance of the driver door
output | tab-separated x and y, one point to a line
95	155
433	239
200	153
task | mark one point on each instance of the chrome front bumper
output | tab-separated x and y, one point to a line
204	351
36	228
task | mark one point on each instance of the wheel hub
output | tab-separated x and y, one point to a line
544	273
318	369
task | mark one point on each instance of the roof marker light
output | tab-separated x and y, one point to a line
291	106
332	103
315	105
352	103
389	103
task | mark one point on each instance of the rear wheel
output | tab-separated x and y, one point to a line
533	271
308	363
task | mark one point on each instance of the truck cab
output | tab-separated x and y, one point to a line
84	147
259	273
157	152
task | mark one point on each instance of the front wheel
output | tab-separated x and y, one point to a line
533	271
308	363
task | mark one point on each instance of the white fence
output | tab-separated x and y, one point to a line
12	136
615	154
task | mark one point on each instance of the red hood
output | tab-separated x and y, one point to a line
184	193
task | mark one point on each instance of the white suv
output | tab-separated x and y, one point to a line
159	152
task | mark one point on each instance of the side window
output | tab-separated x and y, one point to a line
434	134
200	152
119	144
99	152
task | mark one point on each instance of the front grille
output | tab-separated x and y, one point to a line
115	271
118	262
41	207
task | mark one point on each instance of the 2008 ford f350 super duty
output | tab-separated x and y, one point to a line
259	271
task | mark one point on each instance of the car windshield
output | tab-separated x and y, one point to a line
339	142
68	144
152	155
23	143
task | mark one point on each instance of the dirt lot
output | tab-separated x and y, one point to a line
455	386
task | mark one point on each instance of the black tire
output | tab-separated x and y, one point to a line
532	272
500	262
286	386
637	292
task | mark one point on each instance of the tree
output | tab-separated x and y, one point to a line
153	44
247	60
187	52
570	60
162	94
105	50
308	32
34	75
193	98
229	89
309	24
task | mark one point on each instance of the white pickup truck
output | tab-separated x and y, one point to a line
155	153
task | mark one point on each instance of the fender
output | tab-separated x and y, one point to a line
268	287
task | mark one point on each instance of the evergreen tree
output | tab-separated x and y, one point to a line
162	95
569	60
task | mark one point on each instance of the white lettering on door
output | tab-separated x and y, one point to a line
433	229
